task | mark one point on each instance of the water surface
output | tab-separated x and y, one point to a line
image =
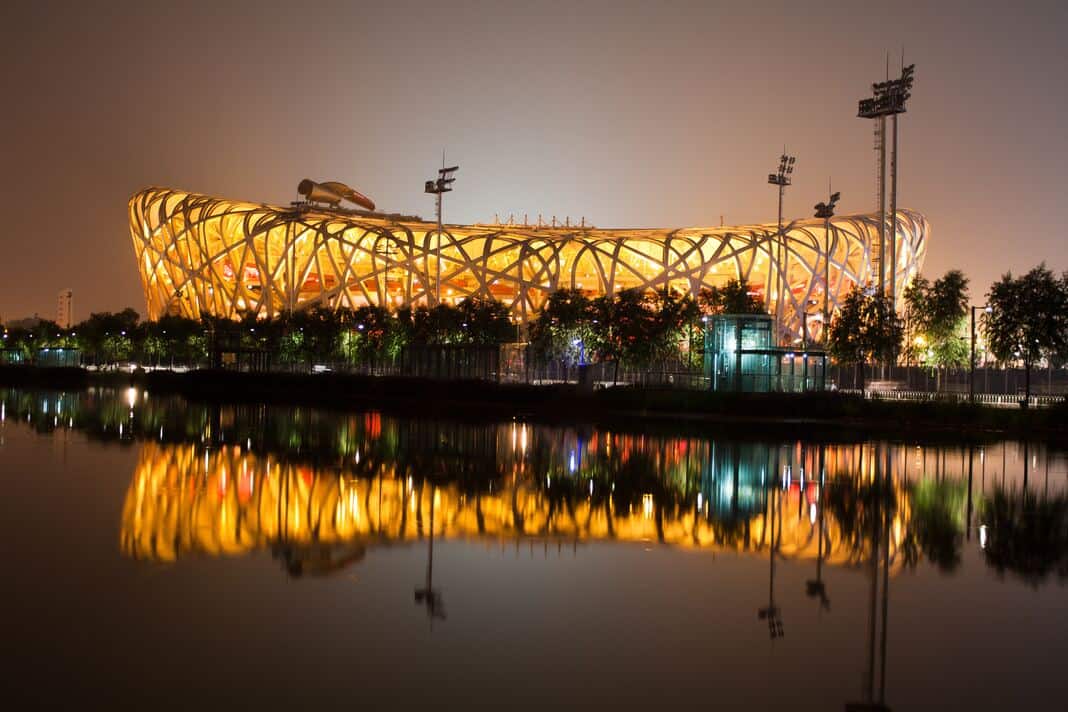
177	554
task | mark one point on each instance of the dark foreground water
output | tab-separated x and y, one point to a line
165	554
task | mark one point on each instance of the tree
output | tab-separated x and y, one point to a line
486	322
108	337
1028	320
564	328
867	329
734	297
938	324
676	318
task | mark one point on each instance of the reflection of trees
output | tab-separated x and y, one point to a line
937	525
1027	535
858	508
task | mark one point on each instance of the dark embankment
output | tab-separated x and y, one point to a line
812	415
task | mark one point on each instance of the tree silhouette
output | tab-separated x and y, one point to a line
938	316
866	329
734	297
1028	320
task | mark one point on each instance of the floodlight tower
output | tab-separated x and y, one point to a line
826	211
781	179
439	187
888	99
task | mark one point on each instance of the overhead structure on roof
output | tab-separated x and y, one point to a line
332	192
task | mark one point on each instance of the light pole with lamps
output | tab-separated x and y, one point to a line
438	187
826	211
781	179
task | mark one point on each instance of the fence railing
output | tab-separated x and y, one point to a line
1004	400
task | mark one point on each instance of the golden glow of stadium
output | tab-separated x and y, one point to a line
190	500
202	255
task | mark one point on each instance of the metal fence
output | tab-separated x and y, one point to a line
988	380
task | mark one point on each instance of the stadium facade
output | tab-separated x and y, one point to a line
200	255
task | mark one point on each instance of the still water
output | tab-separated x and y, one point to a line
169	554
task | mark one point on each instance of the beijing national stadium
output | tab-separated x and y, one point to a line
201	255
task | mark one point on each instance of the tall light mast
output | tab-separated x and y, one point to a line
781	179
888	99
438	187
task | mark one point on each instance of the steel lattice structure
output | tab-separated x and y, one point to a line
202	255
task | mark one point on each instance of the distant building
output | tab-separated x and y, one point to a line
65	309
30	322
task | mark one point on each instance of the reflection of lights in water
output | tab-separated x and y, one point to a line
120	430
591	488
982	536
357	457
523	439
700	498
131	396
571	462
3	412
812	513
331	510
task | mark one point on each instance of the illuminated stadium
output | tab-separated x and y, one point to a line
200	255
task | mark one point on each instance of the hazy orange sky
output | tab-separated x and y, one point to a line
630	114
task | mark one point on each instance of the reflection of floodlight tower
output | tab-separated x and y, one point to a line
438	187
880	558
815	588
826	211
772	613
428	596
781	179
888	99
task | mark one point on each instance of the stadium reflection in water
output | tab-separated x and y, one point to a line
320	487
322	490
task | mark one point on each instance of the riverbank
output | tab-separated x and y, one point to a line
811	414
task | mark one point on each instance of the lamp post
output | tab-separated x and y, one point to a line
826	211
971	363
438	187
781	179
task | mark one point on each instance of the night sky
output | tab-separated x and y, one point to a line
632	115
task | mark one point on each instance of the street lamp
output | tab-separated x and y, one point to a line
439	187
781	179
826	211
971	363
